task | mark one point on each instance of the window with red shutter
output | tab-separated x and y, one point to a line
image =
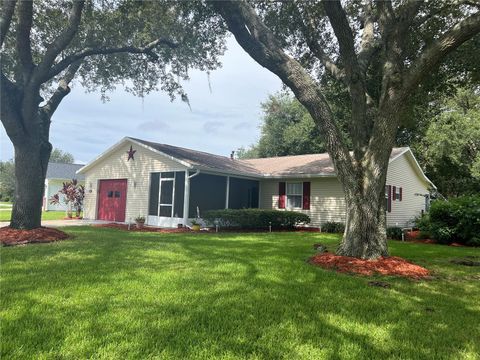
394	193
281	195
400	197
306	195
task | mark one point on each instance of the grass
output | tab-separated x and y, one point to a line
109	294
46	215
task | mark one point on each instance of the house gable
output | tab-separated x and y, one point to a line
114	164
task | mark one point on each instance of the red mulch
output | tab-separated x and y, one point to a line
391	265
10	237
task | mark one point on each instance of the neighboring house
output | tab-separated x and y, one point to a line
170	185
57	174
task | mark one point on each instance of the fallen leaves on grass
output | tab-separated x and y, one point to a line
10	236
391	265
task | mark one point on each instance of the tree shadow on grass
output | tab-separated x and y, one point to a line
196	296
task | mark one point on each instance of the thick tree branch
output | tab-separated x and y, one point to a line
10	99
360	126
62	90
24	25
437	51
147	49
308	29
368	43
260	43
63	40
8	8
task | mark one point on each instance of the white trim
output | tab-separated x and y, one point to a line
405	150
236	173
119	144
228	173
298	176
286	195
186	198
227	192
419	168
163	221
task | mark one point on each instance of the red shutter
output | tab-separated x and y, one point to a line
306	195
281	195
400	194
394	193
389	202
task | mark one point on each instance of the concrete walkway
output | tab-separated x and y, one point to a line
60	223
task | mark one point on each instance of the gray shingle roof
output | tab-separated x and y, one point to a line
202	159
311	164
64	171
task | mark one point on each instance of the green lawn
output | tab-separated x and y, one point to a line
46	215
109	294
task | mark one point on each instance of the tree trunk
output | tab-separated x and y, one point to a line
31	161
365	228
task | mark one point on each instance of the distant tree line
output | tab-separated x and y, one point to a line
445	135
7	172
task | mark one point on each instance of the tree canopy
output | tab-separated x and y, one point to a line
46	45
61	156
380	53
450	149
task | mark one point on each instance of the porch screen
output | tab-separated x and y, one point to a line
153	201
166	194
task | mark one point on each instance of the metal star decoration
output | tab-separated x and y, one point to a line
130	153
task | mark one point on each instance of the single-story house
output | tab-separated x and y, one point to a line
57	174
170	185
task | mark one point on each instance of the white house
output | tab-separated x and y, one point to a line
170	185
57	174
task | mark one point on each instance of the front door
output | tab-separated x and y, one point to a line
112	200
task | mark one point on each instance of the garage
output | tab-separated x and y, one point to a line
112	200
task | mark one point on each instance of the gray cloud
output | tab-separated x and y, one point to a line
154	125
213	126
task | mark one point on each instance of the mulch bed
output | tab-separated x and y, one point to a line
391	265
11	237
187	230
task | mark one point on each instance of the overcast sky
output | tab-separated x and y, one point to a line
219	122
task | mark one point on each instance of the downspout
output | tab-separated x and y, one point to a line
186	195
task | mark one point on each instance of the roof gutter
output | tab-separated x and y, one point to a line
197	172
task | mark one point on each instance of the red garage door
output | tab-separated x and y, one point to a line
112	200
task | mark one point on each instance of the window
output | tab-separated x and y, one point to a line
117	194
110	194
398	193
294	194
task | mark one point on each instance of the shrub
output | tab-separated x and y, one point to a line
255	218
333	227
457	220
394	232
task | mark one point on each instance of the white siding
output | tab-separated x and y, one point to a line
137	173
327	202
401	173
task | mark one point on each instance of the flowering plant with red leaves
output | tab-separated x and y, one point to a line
74	195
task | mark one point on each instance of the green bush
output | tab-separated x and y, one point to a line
394	232
333	227
456	220
255	218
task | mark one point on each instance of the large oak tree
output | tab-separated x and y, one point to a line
382	52
47	44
